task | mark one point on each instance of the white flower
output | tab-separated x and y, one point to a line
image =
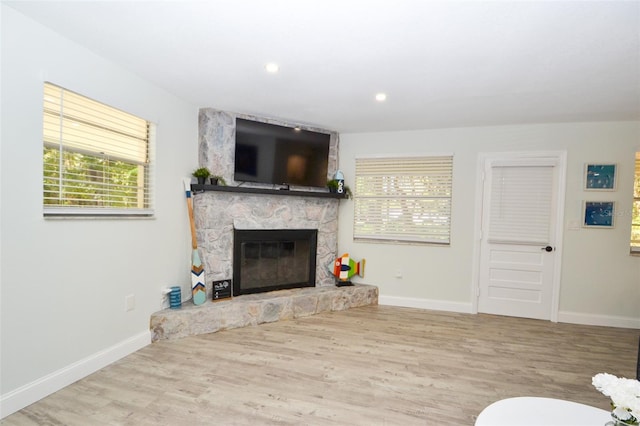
621	414
603	382
624	394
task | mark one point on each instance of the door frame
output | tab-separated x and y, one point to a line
483	157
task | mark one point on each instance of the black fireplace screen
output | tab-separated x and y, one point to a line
266	260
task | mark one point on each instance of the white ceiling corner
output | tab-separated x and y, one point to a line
441	63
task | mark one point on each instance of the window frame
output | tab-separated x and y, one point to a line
419	187
83	137
635	226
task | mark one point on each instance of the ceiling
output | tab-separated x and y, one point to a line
441	63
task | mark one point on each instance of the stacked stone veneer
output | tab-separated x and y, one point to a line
218	213
254	309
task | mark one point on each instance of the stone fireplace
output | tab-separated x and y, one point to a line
218	213
273	259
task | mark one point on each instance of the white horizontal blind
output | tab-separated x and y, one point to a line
635	212
96	158
403	199
521	204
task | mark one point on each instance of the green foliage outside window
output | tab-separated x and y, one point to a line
88	181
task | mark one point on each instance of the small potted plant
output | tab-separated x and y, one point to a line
332	184
201	174
217	180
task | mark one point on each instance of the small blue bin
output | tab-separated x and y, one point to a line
175	297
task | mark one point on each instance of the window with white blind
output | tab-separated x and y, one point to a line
96	158
521	204
635	211
403	199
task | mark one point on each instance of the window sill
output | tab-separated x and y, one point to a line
97	217
93	214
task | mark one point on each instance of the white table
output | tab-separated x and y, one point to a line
533	411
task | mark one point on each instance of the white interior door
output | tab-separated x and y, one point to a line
518	237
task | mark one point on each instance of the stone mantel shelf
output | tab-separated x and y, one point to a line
195	189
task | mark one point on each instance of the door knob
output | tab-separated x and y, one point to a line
547	248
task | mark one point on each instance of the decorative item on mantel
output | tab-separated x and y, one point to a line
339	178
217	180
337	186
625	398
201	174
344	268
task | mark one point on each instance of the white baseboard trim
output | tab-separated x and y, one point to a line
28	394
466	308
436	305
602	320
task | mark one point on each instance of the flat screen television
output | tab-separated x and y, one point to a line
280	155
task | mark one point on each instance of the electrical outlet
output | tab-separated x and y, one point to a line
130	302
399	273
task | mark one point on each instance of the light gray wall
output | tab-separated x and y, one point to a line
64	282
600	281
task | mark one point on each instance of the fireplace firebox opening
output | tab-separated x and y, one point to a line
273	259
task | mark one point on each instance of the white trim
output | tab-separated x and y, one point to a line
559	231
600	320
91	211
466	308
561	157
407	155
17	399
431	304
477	233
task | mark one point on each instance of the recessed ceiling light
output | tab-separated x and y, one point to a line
381	97
272	67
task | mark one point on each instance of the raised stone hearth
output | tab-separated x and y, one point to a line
253	309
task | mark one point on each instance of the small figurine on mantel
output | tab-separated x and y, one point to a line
344	268
339	178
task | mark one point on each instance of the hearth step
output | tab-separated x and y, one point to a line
254	309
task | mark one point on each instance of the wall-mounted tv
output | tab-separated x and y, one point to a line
280	155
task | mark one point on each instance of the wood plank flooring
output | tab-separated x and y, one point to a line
375	365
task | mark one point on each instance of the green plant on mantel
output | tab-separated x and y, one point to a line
332	184
201	173
218	179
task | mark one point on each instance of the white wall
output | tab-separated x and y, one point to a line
600	281
64	282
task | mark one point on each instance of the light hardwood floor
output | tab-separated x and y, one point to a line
376	365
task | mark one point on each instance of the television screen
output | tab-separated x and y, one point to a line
280	155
